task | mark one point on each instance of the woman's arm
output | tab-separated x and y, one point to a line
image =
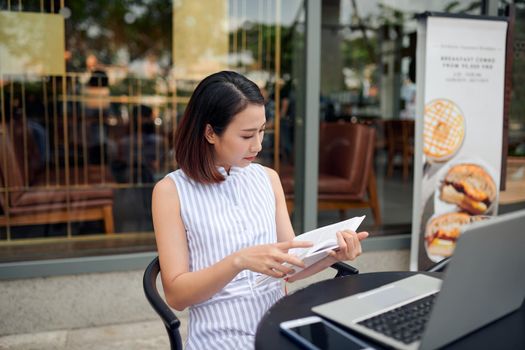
183	288
285	230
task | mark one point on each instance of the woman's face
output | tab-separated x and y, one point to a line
241	141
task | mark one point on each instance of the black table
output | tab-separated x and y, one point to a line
506	333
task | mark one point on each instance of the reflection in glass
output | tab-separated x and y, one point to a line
28	44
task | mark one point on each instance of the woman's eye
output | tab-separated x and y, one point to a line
247	137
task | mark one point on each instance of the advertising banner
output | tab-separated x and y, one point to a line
460	78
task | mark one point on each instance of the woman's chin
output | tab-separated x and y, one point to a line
245	162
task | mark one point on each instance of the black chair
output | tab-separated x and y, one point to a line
171	322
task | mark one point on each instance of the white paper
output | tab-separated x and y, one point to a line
324	239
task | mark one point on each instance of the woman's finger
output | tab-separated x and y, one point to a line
285	270
356	247
355	243
273	272
343	246
350	243
293	260
359	246
279	268
278	256
362	235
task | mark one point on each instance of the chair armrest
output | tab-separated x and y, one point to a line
344	269
152	294
440	266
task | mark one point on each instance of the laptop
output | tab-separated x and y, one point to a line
483	282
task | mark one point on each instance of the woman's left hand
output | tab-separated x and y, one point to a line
349	245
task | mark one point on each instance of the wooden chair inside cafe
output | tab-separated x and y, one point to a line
399	142
346	170
34	195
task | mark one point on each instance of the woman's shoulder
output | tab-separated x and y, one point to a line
165	195
271	173
177	176
259	168
172	182
165	185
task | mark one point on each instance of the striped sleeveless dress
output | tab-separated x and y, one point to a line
221	219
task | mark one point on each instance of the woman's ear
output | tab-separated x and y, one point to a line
210	134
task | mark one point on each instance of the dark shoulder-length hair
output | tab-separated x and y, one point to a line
215	101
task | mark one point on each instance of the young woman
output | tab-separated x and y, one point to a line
221	220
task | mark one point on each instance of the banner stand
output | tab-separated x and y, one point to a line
459	129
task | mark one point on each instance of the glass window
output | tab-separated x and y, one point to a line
81	151
368	77
513	198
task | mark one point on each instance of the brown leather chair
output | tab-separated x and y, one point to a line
399	140
32	195
346	170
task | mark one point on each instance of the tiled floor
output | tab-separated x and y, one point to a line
143	335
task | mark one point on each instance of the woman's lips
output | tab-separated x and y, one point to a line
252	158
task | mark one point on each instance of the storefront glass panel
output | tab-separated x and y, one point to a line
81	151
368	77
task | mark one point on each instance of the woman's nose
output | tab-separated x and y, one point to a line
256	146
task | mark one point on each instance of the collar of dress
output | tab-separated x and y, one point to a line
234	170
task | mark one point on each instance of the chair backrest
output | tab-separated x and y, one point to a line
346	150
172	323
11	172
19	160
399	133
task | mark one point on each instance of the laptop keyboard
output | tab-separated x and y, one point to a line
405	323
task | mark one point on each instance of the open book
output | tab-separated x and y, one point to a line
324	239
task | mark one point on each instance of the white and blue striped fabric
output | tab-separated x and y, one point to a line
221	219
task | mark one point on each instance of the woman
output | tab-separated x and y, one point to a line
221	220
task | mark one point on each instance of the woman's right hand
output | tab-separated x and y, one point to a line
269	258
